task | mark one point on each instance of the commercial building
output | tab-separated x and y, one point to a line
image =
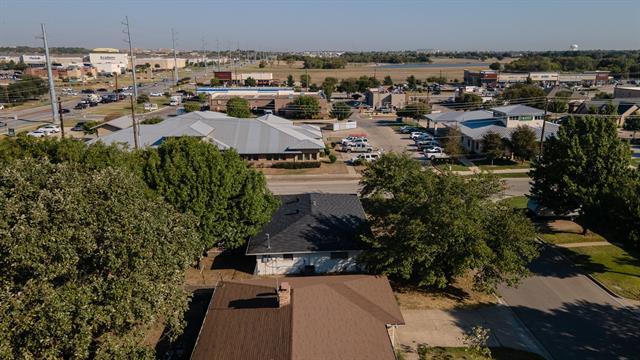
266	140
231	78
486	78
158	63
620	92
379	98
34	60
312	317
310	233
109	62
274	100
66	61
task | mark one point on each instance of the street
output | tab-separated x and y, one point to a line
571	316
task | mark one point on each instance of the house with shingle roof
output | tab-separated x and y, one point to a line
310	233
267	139
314	317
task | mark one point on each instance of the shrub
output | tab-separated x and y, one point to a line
297	165
332	158
152	120
327	150
191	106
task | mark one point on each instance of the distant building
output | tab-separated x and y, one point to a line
158	63
310	233
624	107
34	61
620	92
267	139
231	78
486	78
379	98
273	100
109	62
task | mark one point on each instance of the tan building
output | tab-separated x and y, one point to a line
261	99
158	63
379	98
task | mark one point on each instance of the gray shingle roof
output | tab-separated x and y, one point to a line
311	222
264	135
517	110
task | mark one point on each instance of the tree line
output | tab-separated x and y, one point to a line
94	241
27	88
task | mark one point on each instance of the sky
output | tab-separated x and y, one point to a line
351	25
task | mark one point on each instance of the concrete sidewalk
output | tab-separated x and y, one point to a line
448	327
584	244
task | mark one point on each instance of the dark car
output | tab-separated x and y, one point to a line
65	111
81	105
102	90
79	126
93	103
88	91
3	124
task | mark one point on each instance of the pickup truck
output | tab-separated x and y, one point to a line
435	152
359	147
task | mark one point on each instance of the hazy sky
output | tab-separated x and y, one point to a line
328	24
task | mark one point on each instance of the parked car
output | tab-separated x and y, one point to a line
81	105
425	144
423	137
79	126
351	139
51	128
435	152
37	133
364	158
65	111
93	103
3	124
407	129
156	94
102	90
356	141
109	98
359	147
88	91
417	134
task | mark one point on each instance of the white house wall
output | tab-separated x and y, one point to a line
278	265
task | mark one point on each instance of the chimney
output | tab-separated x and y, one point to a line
284	294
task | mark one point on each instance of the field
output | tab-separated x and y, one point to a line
281	70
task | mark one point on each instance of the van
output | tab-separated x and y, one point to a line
358	147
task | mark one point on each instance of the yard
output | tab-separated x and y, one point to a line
516	202
462	353
499	164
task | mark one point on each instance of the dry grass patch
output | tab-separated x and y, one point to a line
459	295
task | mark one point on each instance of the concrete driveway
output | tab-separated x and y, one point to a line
448	327
571	316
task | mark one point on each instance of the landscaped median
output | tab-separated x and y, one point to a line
611	265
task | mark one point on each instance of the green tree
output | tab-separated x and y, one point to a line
142	98
349	85
230	200
437	79
290	81
387	81
366	82
412	82
495	66
250	81
329	86
304	107
238	107
532	93
452	142
215	82
493	145
305	80
583	169
87	266
429	229
469	98
341	110
523	142
191	106
558	105
632	123
415	110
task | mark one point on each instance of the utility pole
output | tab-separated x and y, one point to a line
61	117
175	59
204	57
52	88
544	121
135	86
218	48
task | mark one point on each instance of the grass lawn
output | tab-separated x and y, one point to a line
570	238
499	353
516	202
457	166
616	268
485	164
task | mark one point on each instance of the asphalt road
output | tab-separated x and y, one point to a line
571	316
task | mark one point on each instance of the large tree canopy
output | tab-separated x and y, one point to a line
88	259
585	167
428	228
231	200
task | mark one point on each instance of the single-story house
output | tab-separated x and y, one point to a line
514	115
473	132
316	317
624	107
268	138
310	233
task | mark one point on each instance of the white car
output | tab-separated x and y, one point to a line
419	134
435	152
38	133
50	129
155	94
359	147
353	140
368	157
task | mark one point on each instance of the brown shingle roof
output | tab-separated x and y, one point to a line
330	317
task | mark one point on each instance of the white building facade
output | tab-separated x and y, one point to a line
316	262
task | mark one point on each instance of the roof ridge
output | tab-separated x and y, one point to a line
345	290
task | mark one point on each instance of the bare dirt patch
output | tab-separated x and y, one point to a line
459	295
